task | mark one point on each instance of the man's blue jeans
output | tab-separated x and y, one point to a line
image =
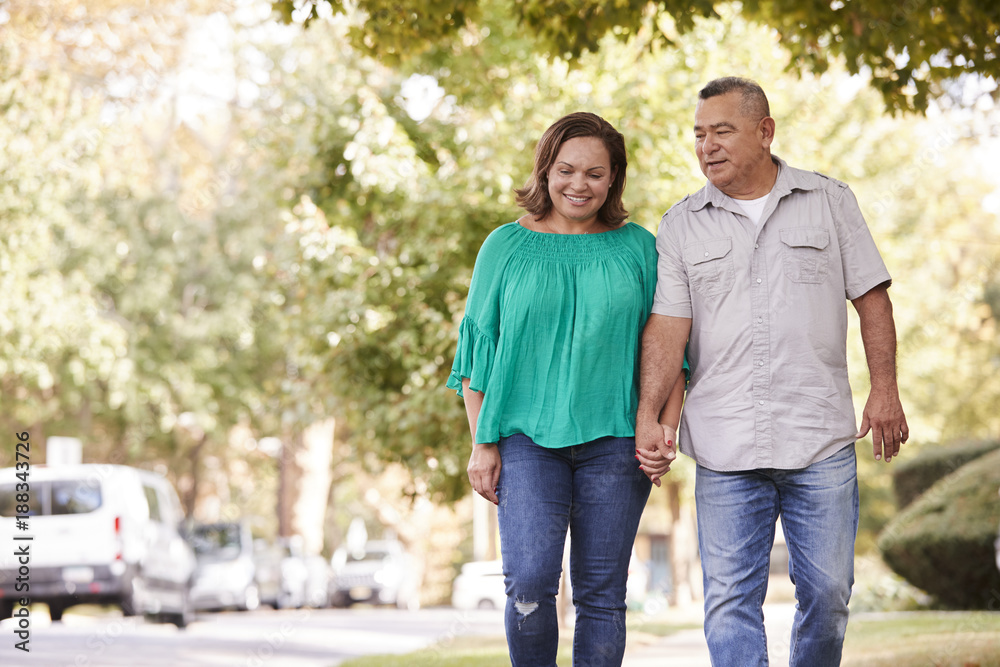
597	491
737	512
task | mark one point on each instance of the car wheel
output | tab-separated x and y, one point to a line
128	602
183	617
486	604
56	610
251	599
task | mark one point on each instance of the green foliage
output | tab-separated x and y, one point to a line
914	476
56	345
911	49
943	542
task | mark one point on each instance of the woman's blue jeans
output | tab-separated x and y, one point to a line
597	491
737	512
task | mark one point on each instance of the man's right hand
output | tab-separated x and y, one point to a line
484	470
654	449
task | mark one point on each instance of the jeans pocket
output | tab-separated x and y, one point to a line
710	266
805	254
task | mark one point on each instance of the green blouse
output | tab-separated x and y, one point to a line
551	333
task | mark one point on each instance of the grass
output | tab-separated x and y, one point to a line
458	652
905	639
924	639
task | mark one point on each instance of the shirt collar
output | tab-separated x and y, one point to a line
787	181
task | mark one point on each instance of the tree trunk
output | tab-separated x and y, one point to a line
683	550
304	484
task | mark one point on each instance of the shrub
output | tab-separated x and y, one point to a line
914	476
943	542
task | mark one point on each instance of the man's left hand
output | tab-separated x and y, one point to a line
884	417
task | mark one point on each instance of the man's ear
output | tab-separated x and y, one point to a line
766	131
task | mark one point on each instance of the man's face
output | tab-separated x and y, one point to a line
733	150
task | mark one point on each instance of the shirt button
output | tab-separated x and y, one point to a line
756	245
758	281
760	319
706	254
760	363
760	402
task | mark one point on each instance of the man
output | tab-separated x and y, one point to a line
754	268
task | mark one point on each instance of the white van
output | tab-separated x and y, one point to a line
102	534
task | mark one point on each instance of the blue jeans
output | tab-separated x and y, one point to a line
737	512
597	491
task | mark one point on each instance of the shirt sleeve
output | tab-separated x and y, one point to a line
673	298
480	327
863	265
647	251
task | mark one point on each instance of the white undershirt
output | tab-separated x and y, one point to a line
753	207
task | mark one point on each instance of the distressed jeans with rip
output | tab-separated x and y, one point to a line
597	492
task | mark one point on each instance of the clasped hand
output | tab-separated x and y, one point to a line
655	449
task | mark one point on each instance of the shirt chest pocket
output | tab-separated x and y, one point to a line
710	266
805	254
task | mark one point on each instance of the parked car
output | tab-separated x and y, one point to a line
102	534
479	585
282	573
380	573
317	582
226	574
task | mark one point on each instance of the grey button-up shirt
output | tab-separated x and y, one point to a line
768	346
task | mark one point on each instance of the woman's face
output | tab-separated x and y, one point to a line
579	180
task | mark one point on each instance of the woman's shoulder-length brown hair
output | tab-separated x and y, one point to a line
534	196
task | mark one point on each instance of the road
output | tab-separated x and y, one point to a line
264	638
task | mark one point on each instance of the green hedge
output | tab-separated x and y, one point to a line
914	476
943	542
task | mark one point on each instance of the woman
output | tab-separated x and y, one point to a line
547	365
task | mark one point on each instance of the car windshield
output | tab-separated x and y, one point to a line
75	497
71	496
367	556
221	541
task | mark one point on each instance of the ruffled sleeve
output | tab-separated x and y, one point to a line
480	328
473	357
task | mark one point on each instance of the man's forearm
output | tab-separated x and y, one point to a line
663	342
878	335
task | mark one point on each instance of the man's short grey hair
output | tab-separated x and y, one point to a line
753	102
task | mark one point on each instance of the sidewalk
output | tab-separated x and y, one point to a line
687	648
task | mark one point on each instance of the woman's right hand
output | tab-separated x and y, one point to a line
484	470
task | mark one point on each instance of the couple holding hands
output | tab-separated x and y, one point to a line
584	335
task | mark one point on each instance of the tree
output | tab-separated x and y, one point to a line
911	50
